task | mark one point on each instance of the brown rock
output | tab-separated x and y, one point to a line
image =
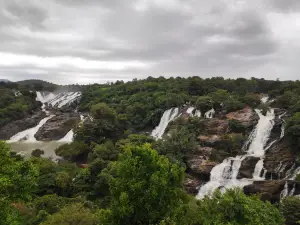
57	127
243	115
9	130
200	167
247	167
191	185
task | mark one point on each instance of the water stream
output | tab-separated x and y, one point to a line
224	175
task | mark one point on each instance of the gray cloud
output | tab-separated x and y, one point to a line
147	38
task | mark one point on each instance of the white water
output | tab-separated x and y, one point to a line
167	117
28	135
209	114
197	113
68	138
225	174
57	99
190	110
285	192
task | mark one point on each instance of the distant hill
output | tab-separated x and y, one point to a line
5	80
40	85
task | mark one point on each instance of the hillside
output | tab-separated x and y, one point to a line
184	151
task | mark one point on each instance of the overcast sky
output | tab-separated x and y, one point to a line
87	41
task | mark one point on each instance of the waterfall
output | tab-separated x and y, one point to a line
197	113
282	126
68	137
285	191
57	99
225	174
209	114
167	117
28	135
190	110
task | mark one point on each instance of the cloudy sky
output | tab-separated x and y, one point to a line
87	41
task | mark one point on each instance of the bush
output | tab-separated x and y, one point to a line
236	127
37	153
290	208
204	103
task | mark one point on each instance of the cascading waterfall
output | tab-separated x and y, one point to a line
209	114
167	117
225	174
57	99
28	135
68	138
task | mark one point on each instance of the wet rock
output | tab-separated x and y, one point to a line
247	167
191	185
269	190
9	130
278	160
57	127
200	167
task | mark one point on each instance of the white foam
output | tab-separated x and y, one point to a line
28	135
68	138
167	117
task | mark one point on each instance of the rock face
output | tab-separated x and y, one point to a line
246	116
9	130
247	167
191	185
57	127
270	190
215	126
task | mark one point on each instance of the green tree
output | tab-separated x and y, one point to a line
204	103
144	186
17	181
235	208
74	214
290	208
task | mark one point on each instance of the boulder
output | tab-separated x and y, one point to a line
270	190
247	167
9	130
278	160
57	127
215	126
200	167
191	185
246	116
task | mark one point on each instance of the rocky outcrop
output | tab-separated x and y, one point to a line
215	126
247	117
200	167
191	185
279	159
247	167
270	190
57	127
9	130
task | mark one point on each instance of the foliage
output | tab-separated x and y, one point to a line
144	187
17	181
290	208
37	153
75	151
236	127
235	208
178	144
293	131
74	214
204	103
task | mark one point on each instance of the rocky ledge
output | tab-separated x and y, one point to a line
9	130
57	127
270	190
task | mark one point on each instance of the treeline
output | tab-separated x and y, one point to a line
137	186
16	102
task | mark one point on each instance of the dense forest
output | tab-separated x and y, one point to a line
115	173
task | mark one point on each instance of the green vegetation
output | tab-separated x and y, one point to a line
115	173
290	208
